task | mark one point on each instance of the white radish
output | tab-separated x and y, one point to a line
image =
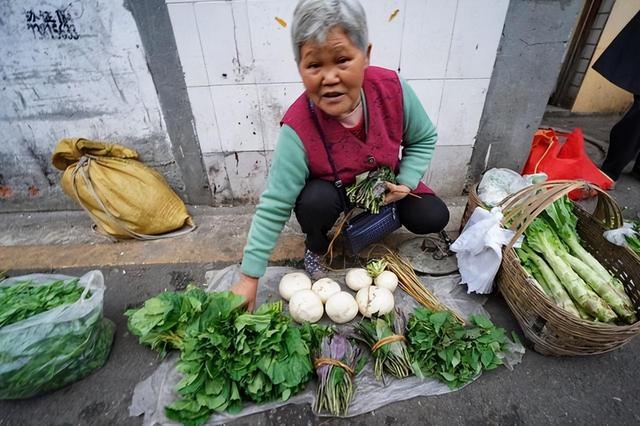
358	278
325	288
292	283
374	300
388	280
341	307
306	306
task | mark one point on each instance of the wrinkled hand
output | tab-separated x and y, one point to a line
246	287
395	192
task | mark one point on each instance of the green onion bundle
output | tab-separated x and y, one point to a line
369	189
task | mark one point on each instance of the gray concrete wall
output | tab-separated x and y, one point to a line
79	69
533	44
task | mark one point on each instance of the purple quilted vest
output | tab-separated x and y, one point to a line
383	93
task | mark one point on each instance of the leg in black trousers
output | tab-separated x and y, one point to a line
425	215
624	142
317	208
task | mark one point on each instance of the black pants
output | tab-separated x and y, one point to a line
318	207
624	143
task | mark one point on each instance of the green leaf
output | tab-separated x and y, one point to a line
486	358
448	376
438	319
482	321
286	394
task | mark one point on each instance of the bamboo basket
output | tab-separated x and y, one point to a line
551	329
473	202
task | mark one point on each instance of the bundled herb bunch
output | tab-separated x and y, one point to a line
228	356
385	337
442	348
336	366
369	189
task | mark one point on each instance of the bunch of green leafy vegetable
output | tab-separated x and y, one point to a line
567	272
162	321
392	357
368	191
227	355
57	351
443	349
26	299
337	363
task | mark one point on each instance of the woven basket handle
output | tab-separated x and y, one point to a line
524	206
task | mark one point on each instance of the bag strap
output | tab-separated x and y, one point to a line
338	182
82	168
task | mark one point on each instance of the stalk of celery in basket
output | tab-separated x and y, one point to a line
546	278
385	337
337	364
369	189
562	219
542	239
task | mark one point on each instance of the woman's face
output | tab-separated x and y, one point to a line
332	72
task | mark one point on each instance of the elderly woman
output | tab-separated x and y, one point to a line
365	115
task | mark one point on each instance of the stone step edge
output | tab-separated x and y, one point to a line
217	243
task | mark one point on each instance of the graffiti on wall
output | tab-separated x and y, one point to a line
55	24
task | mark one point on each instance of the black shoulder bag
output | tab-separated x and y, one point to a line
365	228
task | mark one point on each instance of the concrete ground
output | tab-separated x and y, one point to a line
589	390
598	390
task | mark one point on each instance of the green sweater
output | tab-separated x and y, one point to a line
289	173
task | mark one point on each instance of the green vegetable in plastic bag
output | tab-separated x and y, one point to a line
43	350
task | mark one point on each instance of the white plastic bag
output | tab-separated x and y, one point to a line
619	236
497	184
54	348
479	249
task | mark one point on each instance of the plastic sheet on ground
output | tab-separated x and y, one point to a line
154	393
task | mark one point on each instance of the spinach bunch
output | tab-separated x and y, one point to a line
227	355
162	321
25	299
207	350
442	348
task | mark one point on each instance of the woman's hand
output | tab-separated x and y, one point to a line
246	287
395	192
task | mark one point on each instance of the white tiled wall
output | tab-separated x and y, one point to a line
241	77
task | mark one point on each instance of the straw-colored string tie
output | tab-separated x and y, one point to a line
331	361
386	340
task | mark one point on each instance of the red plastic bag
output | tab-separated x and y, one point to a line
564	160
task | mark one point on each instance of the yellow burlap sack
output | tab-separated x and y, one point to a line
125	198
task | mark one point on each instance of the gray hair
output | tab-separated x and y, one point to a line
312	20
